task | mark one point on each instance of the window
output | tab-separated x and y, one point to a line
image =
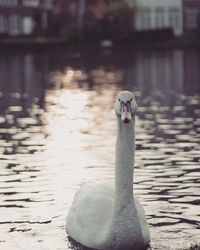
191	18
2	24
44	20
48	4
174	18
28	25
160	17
31	3
15	25
146	18
8	2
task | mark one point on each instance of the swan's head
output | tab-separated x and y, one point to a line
125	106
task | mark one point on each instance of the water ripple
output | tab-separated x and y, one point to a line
55	136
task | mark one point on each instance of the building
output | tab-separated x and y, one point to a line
25	17
191	16
159	14
74	16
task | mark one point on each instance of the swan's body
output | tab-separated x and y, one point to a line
101	217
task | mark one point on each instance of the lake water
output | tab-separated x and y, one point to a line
57	129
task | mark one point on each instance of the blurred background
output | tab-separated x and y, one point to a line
124	22
62	63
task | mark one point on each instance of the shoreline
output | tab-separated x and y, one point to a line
46	43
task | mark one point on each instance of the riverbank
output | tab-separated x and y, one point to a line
86	44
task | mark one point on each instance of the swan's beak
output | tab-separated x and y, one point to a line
126	113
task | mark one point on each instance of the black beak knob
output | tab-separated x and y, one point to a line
126	120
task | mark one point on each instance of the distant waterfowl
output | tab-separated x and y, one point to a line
103	218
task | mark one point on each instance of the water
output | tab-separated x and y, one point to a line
57	129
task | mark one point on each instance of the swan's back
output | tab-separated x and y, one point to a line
89	218
90	214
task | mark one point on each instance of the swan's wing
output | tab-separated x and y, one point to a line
90	213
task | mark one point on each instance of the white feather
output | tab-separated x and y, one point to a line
105	218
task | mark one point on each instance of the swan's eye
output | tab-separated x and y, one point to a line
129	102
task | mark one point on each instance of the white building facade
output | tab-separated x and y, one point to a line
159	14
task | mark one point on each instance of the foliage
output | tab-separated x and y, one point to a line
114	12
120	9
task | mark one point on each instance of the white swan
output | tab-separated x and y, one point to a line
103	218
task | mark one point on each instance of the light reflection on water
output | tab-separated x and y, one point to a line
57	129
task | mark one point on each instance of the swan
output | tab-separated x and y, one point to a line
103	217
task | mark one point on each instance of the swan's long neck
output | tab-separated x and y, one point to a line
125	227
124	163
